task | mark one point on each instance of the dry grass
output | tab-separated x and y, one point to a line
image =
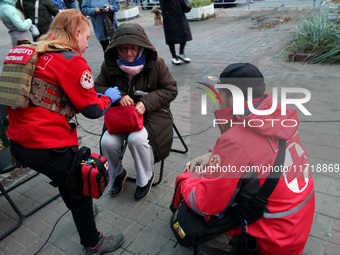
268	22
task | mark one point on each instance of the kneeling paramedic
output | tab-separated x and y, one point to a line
288	215
41	136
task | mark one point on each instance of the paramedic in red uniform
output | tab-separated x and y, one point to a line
286	223
44	140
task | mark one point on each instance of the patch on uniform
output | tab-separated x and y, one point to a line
86	80
215	160
44	60
106	165
19	55
296	176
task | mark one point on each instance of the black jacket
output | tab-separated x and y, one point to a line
45	12
175	23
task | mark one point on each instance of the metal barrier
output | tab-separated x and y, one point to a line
148	4
269	3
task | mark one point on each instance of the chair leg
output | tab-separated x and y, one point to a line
38	207
162	162
131	179
160	174
17	211
182	141
134	179
42	205
22	181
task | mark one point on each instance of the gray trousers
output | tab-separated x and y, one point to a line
139	147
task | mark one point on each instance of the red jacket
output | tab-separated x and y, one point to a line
38	127
285	226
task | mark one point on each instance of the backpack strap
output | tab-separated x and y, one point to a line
260	199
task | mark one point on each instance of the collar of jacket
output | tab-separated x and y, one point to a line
114	69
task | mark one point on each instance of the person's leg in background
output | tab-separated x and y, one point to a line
181	53
175	59
104	44
220	242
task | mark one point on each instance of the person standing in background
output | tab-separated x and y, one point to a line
18	27
176	29
46	9
96	10
59	4
70	4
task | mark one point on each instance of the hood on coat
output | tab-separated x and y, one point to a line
274	125
129	33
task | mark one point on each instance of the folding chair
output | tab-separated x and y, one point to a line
123	149
7	166
161	168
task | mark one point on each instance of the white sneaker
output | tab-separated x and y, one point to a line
184	58
176	61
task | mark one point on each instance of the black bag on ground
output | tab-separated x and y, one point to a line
191	229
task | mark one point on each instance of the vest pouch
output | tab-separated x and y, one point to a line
187	226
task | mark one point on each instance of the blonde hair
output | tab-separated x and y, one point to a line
63	29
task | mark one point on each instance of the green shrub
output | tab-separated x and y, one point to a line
318	36
199	3
125	6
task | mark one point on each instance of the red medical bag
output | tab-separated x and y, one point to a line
95	175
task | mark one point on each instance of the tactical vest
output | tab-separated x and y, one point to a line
18	87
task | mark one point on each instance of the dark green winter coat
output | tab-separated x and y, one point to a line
155	78
45	12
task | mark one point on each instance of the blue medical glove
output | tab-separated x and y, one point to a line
113	94
100	94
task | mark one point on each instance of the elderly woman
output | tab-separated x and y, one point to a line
132	64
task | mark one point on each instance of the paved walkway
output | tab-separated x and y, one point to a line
235	35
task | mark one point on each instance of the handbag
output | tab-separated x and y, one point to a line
109	29
34	31
122	119
186	7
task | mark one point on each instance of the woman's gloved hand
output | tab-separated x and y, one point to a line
113	94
